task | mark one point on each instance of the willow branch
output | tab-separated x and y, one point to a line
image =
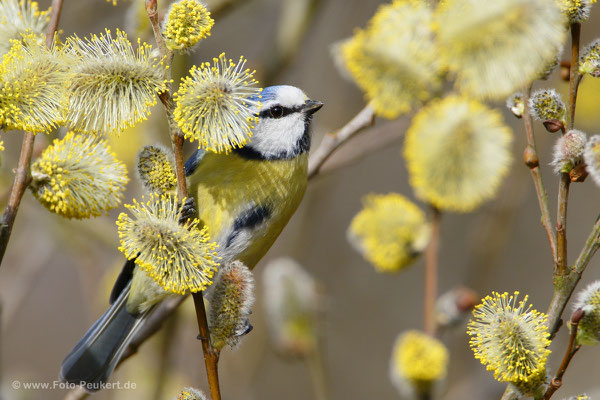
532	161
332	141
572	348
22	173
211	356
565	180
431	272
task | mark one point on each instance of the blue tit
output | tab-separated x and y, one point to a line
245	198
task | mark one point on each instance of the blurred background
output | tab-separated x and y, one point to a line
57	274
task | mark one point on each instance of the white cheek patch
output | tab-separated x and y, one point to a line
274	136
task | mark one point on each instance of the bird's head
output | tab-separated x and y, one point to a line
283	129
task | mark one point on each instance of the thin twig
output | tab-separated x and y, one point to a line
211	357
575	76
565	279
565	285
572	348
22	173
532	161
332	141
431	267
561	225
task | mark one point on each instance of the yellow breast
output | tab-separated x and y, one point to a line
227	186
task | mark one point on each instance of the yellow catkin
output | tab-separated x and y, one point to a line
78	177
217	104
156	169
180	258
33	85
186	23
113	86
19	17
511	339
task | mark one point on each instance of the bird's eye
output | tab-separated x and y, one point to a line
276	111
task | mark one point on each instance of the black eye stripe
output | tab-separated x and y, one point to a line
266	113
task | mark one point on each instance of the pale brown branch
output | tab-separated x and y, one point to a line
22	173
572	348
332	141
532	161
211	356
431	272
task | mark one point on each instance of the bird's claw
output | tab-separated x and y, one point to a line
188	210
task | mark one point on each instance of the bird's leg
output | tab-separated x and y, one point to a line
188	210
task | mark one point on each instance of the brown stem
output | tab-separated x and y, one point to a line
575	76
561	225
431	266
572	348
211	356
332	141
22	173
532	161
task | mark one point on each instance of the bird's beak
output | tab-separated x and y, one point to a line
312	106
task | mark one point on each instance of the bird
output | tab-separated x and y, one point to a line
245	198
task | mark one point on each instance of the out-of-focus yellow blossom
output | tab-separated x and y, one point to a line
497	47
458	152
395	60
390	231
418	361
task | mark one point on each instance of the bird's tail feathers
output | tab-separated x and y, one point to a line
96	355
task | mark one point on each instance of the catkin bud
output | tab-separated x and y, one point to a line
589	63
568	151
186	23
516	105
190	394
546	105
588	300
454	306
156	170
292	302
577	11
231	300
591	156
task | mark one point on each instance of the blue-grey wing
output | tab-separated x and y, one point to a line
192	163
